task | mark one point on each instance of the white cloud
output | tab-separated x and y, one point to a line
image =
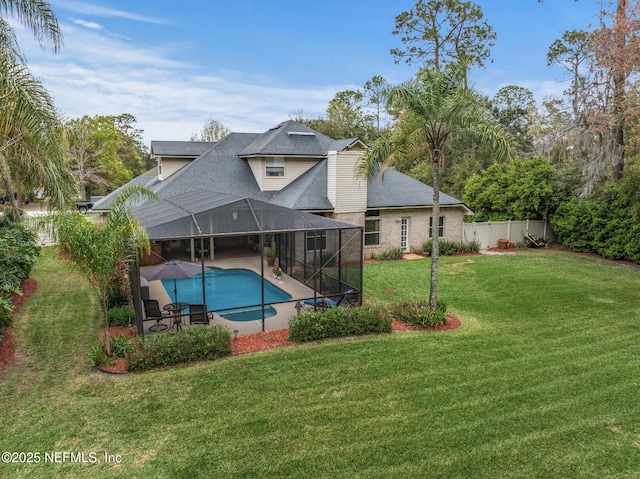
84	23
170	104
171	97
99	11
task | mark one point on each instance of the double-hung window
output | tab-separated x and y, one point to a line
440	227
372	228
274	167
316	240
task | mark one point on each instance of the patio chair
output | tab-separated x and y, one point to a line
198	314
152	312
324	303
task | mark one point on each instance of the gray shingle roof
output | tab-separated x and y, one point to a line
219	169
148	179
222	169
289	139
394	189
191	149
339	145
307	192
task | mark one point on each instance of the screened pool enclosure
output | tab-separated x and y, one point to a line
321	253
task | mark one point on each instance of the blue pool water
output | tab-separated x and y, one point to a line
237	290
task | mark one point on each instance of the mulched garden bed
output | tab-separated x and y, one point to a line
452	323
251	343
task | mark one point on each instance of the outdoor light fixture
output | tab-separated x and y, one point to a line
234	215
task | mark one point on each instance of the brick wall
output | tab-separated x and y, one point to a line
390	228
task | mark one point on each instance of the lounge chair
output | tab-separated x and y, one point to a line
198	314
325	303
152	313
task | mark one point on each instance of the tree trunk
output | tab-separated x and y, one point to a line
105	314
619	80
435	223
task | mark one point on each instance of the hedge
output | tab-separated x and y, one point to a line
607	224
167	349
338	322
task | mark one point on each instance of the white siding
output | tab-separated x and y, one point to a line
257	167
171	165
293	168
346	190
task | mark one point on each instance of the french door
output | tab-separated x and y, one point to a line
404	234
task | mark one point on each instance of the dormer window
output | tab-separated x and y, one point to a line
275	167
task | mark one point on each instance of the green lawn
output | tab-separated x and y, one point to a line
542	380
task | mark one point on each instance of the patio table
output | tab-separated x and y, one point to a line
176	309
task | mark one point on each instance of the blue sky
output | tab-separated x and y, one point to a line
252	63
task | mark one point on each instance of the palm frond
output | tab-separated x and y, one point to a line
9	47
39	17
379	155
31	134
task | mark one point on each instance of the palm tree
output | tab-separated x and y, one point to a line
101	251
31	136
433	108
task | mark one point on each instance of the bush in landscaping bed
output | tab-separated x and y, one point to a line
418	313
18	256
450	248
98	355
6	310
167	349
338	322
390	254
122	345
121	316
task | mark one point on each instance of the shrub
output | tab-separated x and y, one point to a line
121	346
418	313
117	296
166	349
98	355
450	248
6	308
338	322
390	254
607	223
18	256
121	316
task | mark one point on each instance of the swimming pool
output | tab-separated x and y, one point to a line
236	291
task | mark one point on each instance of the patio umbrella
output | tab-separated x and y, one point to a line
172	269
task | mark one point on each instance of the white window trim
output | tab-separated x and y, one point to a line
441	219
371	233
279	163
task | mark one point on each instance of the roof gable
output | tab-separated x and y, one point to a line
219	169
307	192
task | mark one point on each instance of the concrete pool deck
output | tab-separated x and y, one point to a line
284	311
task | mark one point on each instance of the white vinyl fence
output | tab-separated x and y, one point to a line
488	233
